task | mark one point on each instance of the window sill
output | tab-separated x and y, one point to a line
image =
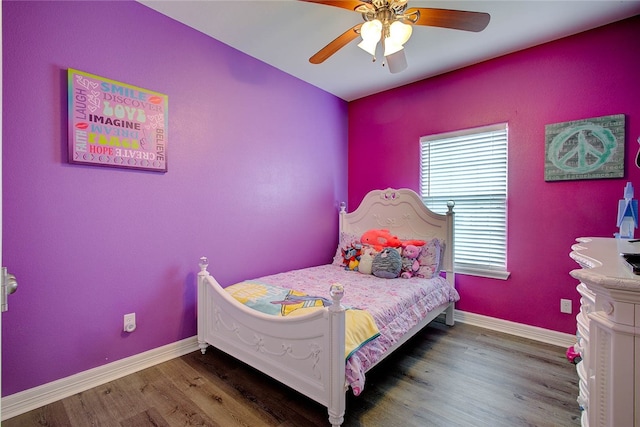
491	274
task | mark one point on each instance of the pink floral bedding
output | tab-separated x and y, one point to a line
396	305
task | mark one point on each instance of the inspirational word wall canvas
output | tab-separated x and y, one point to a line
116	124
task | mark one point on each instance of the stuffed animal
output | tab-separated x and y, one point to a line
351	256
410	264
573	355
387	264
379	239
366	260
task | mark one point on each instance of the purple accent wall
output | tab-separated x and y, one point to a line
588	75
257	168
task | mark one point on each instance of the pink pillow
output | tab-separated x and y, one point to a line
431	258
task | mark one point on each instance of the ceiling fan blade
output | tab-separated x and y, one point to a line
455	19
344	4
336	44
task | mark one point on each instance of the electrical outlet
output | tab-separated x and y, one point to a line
565	306
129	322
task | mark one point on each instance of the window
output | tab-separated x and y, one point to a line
470	168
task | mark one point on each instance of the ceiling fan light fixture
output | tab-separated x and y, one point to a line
391	23
397	61
371	32
391	47
400	32
368	46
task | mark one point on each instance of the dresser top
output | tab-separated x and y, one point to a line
602	264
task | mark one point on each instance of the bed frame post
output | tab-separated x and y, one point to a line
202	298
450	255
337	398
341	217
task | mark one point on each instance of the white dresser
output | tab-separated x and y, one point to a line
608	334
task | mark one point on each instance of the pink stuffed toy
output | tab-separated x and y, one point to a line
573	355
379	239
410	264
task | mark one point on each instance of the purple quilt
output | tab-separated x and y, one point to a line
396	305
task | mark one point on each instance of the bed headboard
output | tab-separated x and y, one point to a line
403	213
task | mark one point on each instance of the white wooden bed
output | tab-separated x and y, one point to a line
307	352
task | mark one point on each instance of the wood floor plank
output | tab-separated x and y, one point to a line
460	376
52	415
150	417
88	409
176	408
278	405
216	403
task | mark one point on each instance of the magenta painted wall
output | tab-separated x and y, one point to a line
592	74
257	168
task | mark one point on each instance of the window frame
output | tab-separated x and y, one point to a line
497	133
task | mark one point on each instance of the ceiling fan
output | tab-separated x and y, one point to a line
391	22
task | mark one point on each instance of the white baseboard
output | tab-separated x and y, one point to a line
525	331
33	398
36	397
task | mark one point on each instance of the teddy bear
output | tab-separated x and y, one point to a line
410	264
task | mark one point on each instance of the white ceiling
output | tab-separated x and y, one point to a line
286	33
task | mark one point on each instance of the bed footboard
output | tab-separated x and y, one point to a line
304	352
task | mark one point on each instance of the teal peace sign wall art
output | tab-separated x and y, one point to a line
585	149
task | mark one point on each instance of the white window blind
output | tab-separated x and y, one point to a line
470	168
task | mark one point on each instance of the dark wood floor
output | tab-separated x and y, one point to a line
458	376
